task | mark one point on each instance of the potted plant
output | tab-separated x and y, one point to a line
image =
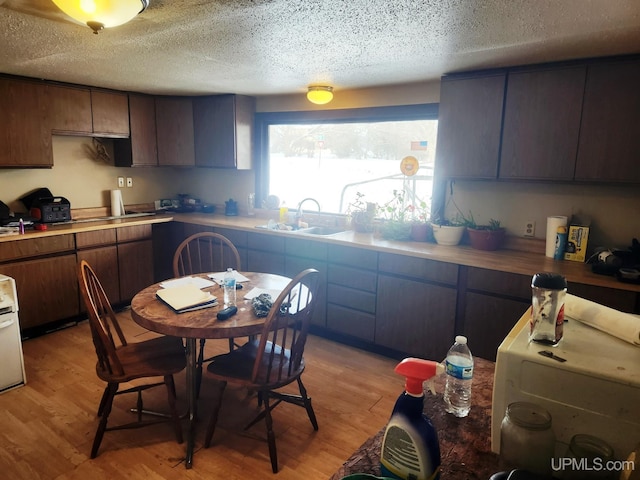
487	237
396	224
421	230
450	231
362	214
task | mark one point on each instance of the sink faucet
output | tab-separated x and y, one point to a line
299	210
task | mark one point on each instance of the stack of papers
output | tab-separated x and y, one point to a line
197	281
219	277
186	297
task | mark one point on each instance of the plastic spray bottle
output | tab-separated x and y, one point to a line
410	448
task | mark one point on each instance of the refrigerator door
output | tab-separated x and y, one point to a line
12	371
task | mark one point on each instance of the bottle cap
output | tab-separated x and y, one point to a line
461	339
416	371
552	281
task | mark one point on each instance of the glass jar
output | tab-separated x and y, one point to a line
527	440
587	458
547	308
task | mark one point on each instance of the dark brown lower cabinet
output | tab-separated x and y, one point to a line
47	289
415	317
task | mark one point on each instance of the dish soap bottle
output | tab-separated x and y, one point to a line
410	448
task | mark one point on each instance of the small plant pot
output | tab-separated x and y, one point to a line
421	232
395	231
482	239
448	234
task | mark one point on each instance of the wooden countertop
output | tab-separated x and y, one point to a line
505	260
510	261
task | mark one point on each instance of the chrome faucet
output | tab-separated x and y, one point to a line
299	209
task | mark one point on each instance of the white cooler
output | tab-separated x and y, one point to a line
596	391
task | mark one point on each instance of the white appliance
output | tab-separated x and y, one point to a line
11	359
596	390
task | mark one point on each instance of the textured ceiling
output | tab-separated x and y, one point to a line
260	47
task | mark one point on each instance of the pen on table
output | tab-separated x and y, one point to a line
21	226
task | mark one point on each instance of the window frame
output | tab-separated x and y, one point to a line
422	111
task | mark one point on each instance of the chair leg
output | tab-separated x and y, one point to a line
214	415
307	404
105	407
271	437
103	400
171	395
199	363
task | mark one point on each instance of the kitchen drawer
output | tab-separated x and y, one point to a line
492	281
351	322
133	233
95	238
36	247
353	278
419	268
306	248
349	297
266	243
357	257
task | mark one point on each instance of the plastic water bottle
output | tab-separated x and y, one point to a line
459	368
229	288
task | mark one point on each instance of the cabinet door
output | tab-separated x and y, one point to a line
223	126
5	123
469	125
610	133
541	123
265	253
104	261
141	149
415	318
135	264
27	122
174	127
488	320
110	113
70	109
47	289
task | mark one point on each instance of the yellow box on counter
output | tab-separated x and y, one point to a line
577	239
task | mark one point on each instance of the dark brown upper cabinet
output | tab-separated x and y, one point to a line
174	128
542	123
88	112
469	125
140	150
223	129
110	113
25	140
70	109
609	148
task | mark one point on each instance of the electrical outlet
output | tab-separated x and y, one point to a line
530	228
129	182
120	182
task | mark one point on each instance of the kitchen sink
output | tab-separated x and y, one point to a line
315	230
321	231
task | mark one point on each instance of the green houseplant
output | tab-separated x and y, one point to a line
450	231
396	223
362	214
486	237
421	230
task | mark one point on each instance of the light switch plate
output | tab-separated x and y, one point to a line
120	182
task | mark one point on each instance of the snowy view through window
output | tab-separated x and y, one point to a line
333	162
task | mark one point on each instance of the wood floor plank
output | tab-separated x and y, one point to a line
47	426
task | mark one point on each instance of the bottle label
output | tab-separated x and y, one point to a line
463	373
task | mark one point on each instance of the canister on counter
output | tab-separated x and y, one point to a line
548	291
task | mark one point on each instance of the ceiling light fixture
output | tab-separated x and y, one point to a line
320	95
99	14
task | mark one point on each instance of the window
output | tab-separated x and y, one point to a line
332	156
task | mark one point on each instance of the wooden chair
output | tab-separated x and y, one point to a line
201	253
273	360
123	362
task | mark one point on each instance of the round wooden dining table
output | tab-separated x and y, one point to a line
153	314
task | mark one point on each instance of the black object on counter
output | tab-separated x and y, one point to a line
29	199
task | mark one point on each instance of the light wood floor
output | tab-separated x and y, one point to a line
47	426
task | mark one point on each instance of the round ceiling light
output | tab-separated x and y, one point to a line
320	95
99	14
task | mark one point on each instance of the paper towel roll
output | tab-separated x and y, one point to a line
117	207
614	322
552	228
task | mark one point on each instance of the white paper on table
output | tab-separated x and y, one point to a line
218	277
197	281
